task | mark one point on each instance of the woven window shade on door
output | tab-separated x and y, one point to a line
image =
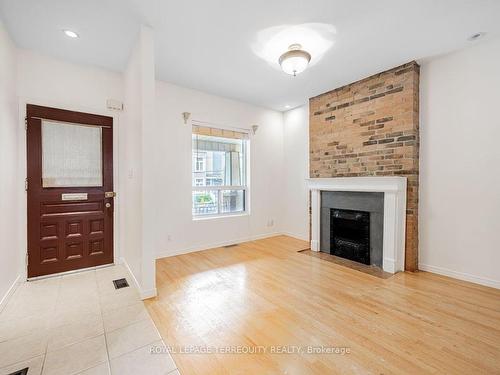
71	155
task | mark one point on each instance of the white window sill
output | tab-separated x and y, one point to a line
215	217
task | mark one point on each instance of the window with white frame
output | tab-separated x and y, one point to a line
219	172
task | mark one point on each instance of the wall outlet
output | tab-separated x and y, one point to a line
169	238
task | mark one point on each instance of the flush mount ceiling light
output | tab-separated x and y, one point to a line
315	38
295	60
70	33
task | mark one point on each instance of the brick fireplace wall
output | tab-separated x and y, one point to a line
370	128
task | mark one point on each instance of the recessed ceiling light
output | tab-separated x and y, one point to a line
287	106
475	36
295	60
70	33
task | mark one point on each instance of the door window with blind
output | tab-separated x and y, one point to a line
219	172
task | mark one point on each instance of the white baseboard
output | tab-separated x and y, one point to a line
72	272
460	275
389	265
136	283
297	236
314	245
10	292
145	294
171	253
262	236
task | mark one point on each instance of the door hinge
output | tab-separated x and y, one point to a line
26	123
27	258
26	184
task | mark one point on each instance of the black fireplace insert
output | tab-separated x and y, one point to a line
350	234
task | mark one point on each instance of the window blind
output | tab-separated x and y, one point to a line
215	132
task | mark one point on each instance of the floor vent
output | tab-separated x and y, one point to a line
233	245
24	371
120	283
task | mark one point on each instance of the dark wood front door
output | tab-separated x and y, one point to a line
70	190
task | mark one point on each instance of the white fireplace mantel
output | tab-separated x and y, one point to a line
394	189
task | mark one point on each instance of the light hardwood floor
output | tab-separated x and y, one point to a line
265	293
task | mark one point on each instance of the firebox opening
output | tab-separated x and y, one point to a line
350	234
352	226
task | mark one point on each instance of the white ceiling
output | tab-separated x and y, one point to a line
207	44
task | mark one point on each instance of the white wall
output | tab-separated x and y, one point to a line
154	182
296	171
459	219
150	163
130	140
47	81
459	165
459	160
138	164
10	188
173	228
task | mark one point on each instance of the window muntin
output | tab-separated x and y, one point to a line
199	162
219	171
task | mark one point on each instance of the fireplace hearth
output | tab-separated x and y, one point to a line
350	234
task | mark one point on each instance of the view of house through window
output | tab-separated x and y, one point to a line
218	171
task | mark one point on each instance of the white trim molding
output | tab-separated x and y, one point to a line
193	249
10	292
394	189
460	275
144	294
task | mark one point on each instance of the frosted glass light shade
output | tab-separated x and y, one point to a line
294	62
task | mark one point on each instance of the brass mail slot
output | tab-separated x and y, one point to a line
74	197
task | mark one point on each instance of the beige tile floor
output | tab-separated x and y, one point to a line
79	324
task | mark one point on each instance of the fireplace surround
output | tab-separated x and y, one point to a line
394	212
352	225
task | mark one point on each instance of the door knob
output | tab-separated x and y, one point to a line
108	205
